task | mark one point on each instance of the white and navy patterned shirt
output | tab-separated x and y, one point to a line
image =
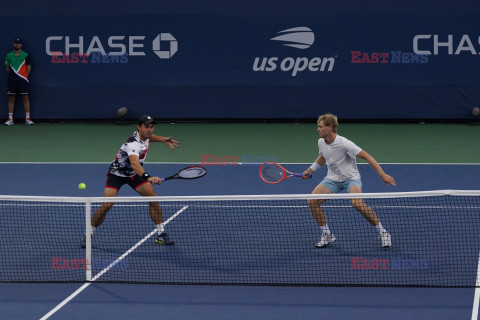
121	166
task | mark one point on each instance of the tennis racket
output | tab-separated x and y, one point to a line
193	172
272	172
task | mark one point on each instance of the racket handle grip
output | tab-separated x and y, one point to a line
301	175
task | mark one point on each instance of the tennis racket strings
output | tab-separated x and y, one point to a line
271	172
192	172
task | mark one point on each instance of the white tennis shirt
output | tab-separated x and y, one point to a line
340	156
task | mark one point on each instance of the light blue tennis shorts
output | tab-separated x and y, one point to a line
336	187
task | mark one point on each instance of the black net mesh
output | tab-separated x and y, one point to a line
435	242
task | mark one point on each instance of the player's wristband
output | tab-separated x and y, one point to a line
145	176
315	166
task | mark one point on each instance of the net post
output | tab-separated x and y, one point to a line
88	239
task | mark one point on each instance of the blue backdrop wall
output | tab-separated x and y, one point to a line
297	60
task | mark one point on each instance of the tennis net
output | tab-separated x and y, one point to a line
246	240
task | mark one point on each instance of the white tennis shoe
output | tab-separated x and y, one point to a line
9	122
326	239
386	239
28	122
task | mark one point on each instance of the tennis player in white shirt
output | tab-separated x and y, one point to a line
340	154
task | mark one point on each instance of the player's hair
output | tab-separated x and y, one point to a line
329	120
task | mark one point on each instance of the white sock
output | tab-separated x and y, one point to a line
10	116
27	115
379	227
325	229
160	228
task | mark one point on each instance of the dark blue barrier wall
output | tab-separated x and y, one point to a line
418	62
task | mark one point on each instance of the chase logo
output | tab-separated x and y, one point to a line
165	40
114	49
300	37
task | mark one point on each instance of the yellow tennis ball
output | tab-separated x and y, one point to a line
82	186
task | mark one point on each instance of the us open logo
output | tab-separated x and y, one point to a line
301	37
298	38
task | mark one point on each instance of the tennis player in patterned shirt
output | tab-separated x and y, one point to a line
127	168
339	154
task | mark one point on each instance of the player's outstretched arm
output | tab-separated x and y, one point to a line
172	144
385	177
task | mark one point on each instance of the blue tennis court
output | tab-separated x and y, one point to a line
125	301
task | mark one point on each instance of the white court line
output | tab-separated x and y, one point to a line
475	304
476	298
101	273
64	302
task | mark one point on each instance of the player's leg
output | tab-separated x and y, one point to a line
315	205
112	185
145	189
369	214
361	207
319	214
101	212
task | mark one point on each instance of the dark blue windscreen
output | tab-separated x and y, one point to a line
361	65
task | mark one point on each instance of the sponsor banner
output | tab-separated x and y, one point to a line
358	66
289	50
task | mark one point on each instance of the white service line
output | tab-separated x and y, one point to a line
64	302
475	304
476	298
111	265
